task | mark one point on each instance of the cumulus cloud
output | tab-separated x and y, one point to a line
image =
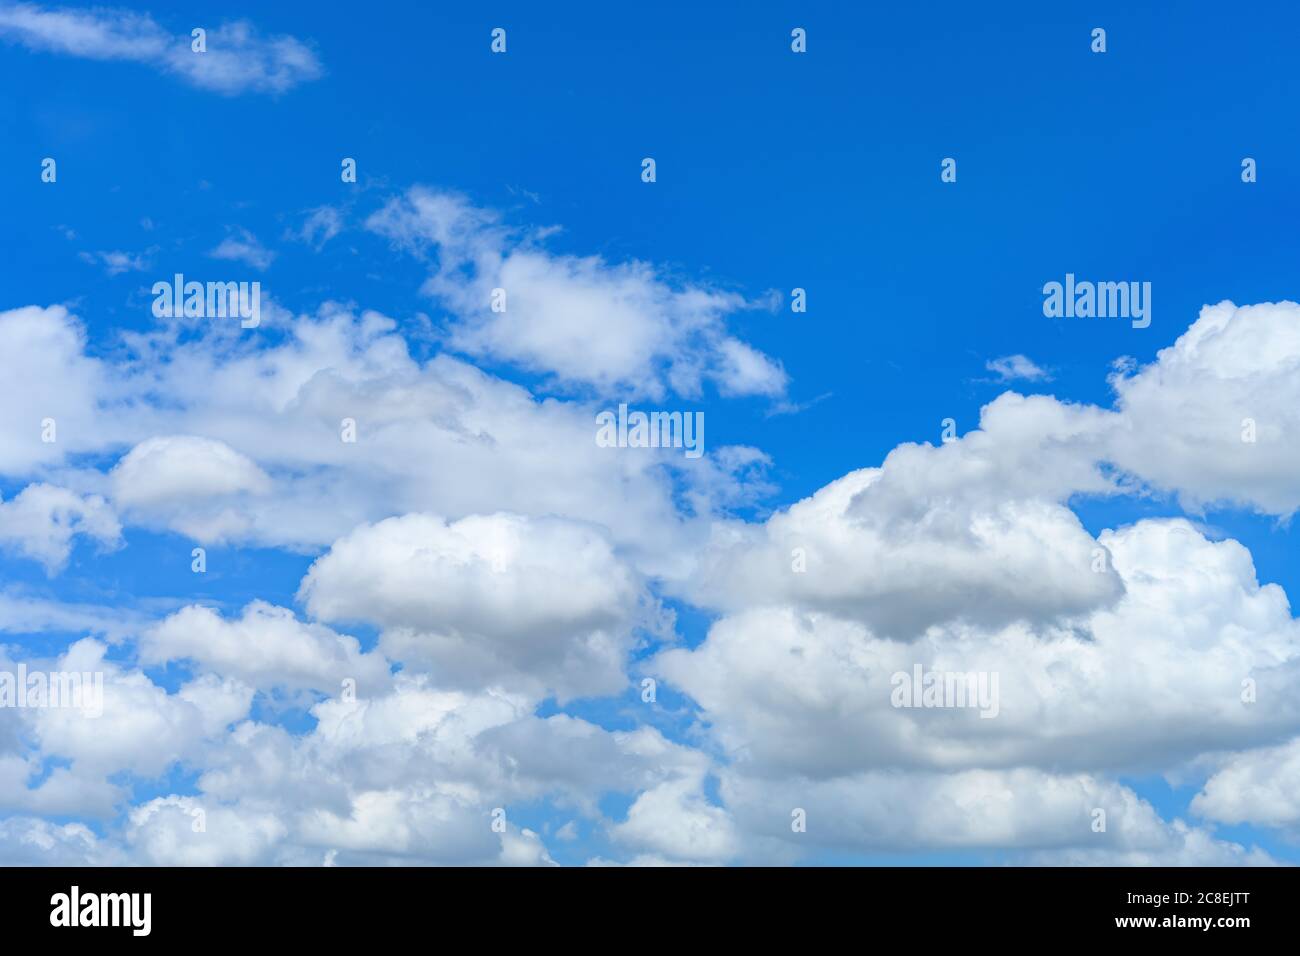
164	469
195	485
412	774
616	327
31	841
676	821
503	560
41	521
49	382
280	406
143	728
266	648
1146	683
1044	817
487	598
974	529
1214	418
184	831
238	58
1257	786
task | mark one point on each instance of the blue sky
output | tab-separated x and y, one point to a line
774	171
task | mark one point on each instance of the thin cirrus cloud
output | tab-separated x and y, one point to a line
238	58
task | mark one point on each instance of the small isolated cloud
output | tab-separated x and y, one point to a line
244	247
117	262
321	225
237	58
1012	368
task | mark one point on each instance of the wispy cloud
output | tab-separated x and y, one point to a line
1011	368
244	247
237	59
321	225
615	327
117	262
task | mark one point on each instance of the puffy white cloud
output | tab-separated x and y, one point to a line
1148	683
184	831
48	380
412	775
30	841
1044	817
541	603
162	469
41	521
281	406
1184	417
194	484
1258	786
238	58
855	550
63	791
675	821
616	327
266	648
532	581
142	728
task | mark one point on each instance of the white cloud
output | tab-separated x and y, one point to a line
30	841
1010	368
321	225
161	470
142	728
267	647
184	831
1148	683
48	378
934	534
194	485
243	246
280	406
117	262
675	821
41	521
238	59
1257	786
965	556
1184	416
620	328
486	599
22	614
1040	815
